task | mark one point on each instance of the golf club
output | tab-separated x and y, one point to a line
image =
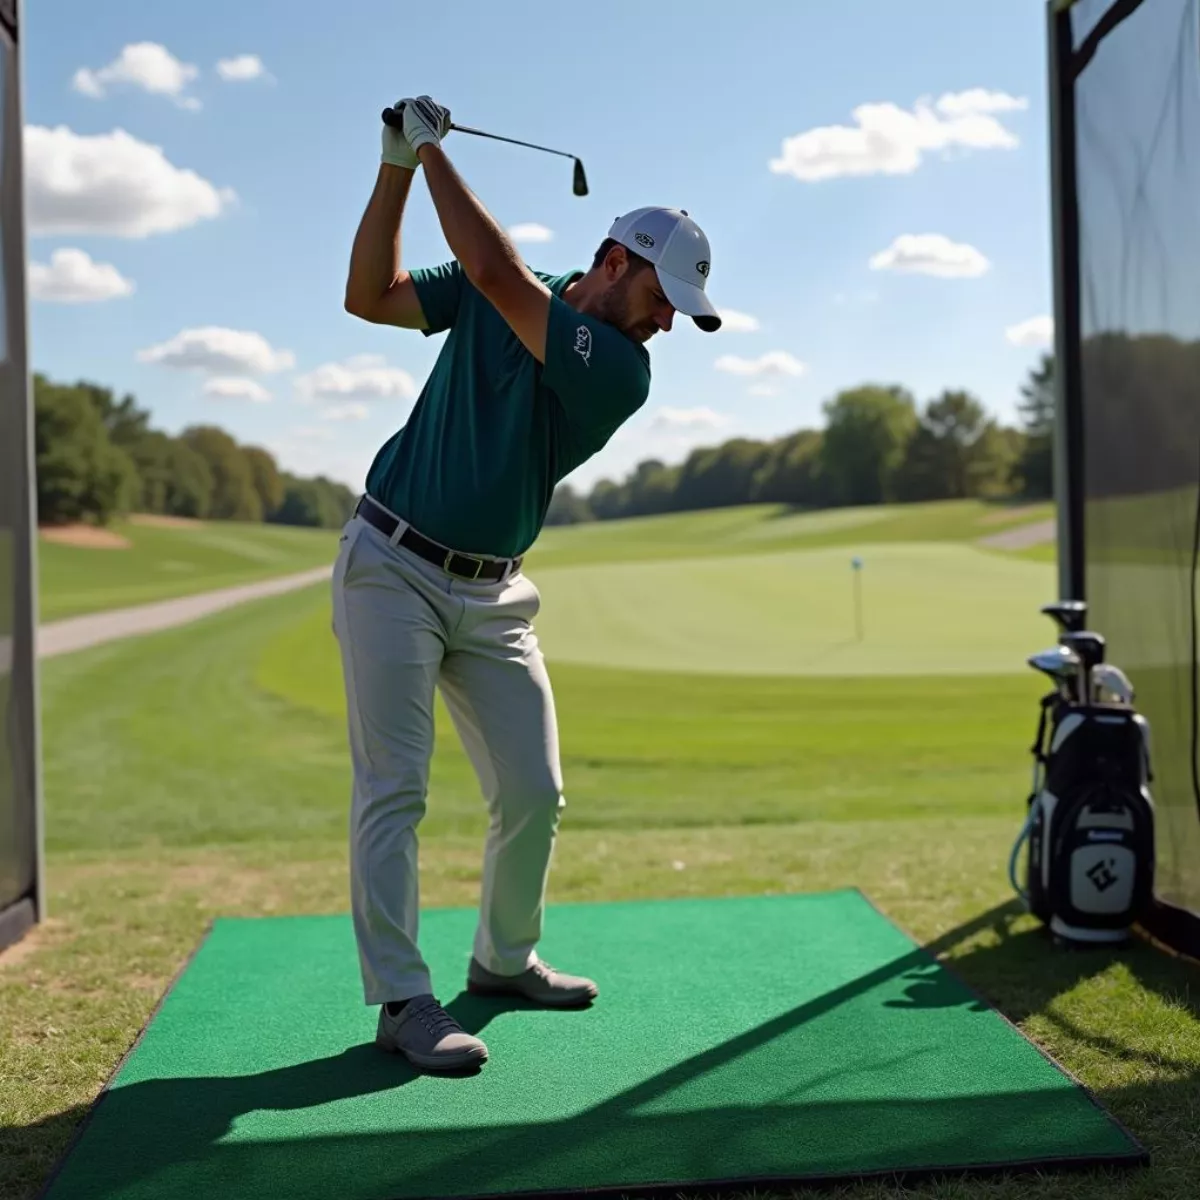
394	118
1090	649
1063	666
1068	615
1110	685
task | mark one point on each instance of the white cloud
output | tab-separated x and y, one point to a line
773	363
146	65
217	350
71	277
363	377
345	412
112	184
931	254
733	321
530	231
762	389
889	140
232	388
678	420
240	68
1037	331
979	100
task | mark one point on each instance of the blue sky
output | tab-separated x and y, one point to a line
872	177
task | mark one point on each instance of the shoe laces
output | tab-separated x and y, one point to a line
435	1018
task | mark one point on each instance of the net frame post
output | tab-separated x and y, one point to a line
1064	214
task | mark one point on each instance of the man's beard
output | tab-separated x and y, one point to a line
614	308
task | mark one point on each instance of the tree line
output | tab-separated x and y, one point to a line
97	458
877	447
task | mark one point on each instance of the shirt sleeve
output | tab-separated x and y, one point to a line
600	377
439	289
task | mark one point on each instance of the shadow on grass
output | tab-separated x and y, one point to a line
631	1137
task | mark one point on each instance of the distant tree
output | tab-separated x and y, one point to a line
718	476
319	503
606	500
567	507
126	423
790	473
268	483
865	440
174	479
234	496
81	475
1037	409
940	460
653	487
994	469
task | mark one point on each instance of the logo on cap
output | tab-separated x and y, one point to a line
702	267
643	239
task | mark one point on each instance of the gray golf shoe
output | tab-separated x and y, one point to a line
428	1036
541	983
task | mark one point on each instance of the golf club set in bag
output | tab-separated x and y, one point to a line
1089	871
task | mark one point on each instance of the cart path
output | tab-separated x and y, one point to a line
92	629
1024	536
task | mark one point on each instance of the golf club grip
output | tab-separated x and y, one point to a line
394	117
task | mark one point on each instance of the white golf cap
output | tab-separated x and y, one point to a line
677	247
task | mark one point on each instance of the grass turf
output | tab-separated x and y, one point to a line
202	772
163	562
807	1039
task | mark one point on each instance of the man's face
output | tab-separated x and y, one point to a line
634	301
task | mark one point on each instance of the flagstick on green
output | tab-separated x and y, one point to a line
857	563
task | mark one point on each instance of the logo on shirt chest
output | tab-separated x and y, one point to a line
583	343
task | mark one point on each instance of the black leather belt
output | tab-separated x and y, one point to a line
462	566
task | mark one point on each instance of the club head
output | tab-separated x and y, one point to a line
1088	645
1063	666
580	187
1110	685
1068	615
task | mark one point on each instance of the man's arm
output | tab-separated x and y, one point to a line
487	256
377	290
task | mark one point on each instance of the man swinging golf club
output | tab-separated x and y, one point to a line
535	376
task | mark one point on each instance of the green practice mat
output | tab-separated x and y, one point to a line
735	1041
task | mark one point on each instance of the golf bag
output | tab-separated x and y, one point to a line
1089	871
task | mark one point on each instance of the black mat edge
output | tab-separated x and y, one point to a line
89	1116
714	1187
1140	1156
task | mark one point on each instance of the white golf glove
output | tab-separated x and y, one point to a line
425	122
396	149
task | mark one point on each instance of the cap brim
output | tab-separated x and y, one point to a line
690	300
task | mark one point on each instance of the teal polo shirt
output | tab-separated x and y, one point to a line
493	430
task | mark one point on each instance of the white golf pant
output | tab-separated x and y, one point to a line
405	627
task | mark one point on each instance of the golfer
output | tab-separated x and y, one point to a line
535	376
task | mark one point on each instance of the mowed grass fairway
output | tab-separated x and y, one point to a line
203	771
161	562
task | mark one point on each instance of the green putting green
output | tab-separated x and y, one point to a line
736	1041
929	608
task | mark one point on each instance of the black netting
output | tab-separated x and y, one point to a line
1137	166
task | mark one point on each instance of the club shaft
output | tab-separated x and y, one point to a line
513	141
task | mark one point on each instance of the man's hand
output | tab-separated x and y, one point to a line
396	150
425	122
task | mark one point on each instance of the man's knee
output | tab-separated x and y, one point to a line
537	798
